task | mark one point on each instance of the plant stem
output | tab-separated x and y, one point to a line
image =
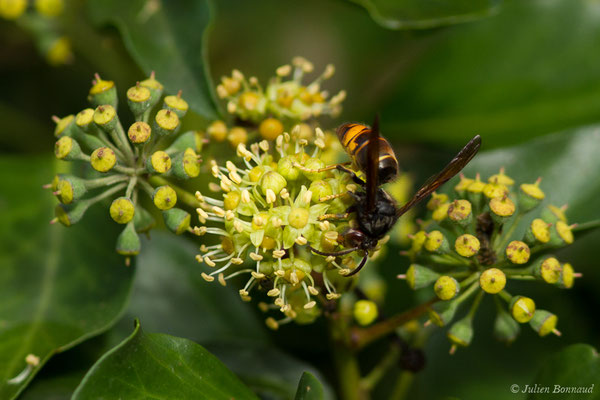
346	364
403	384
371	380
360	337
505	237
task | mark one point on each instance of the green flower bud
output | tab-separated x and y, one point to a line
272	180
177	220
418	276
365	312
467	245
186	164
128	242
231	200
440	213
176	104
561	234
314	164
459	211
506	329
49	8
103	92
522	308
105	117
70	188
501	179
437	199
139	133
270	128
165	122
530	195
418	241
548	269
501	209
538	232
436	242
567	276
285	166
67	149
493	190
441	313
544	322
552	214
64	126
69	214
475	190
164	197
462	186
12	10
492	280
217	131
237	135
320	189
138	99
256	173
461	332
518	252
103	159
446	287
266	267
298	217
143	221
158	163
189	139
122	210
155	87
84	118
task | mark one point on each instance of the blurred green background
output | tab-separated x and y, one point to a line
523	70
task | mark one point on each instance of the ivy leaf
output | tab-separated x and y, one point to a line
309	388
576	366
268	371
170	296
160	366
60	285
567	161
502	77
168	37
419	14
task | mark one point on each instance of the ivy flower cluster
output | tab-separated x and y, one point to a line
285	97
276	205
121	163
473	244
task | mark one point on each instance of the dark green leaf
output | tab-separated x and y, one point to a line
408	14
577	367
568	163
170	296
60	285
269	372
167	37
309	388
504	77
160	366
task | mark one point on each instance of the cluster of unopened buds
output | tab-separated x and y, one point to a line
126	161
41	21
491	233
